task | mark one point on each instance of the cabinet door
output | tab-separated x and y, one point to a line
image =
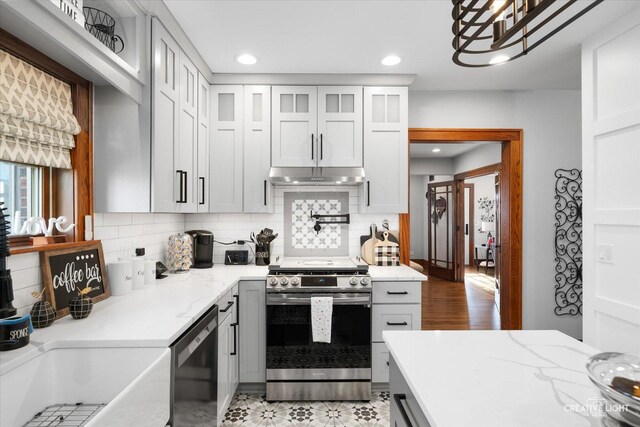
224	387
202	186
258	191
165	112
234	353
386	151
340	126
294	126
226	149
188	131
253	332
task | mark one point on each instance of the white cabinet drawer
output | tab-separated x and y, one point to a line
226	303
395	317
379	362
397	292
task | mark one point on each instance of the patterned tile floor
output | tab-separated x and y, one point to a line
252	410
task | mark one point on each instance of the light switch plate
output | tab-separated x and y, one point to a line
605	254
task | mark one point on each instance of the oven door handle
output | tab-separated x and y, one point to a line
360	298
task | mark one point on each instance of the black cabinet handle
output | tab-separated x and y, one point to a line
397	323
401	401
202	181
466	229
387	363
312	147
186	183
321	147
397	293
179	172
368	193
229	304
237	298
235	340
265	192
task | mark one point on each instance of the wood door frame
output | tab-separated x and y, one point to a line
472	256
511	198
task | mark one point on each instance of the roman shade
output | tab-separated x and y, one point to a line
37	124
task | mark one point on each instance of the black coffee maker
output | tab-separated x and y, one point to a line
202	248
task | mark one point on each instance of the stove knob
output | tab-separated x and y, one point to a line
295	281
364	281
273	281
284	281
353	281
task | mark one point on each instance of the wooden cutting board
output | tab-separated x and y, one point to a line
385	240
393	237
367	249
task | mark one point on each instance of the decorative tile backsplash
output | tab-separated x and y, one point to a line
303	236
300	237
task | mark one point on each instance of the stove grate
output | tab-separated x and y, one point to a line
73	415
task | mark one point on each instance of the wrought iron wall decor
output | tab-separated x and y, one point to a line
568	242
102	26
492	32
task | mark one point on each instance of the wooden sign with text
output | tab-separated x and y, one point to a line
66	271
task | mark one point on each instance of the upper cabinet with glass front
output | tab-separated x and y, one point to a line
316	126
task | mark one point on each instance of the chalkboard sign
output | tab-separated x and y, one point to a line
66	271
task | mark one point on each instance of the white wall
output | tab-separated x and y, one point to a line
483	186
551	121
483	155
430	166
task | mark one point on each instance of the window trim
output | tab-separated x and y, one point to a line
71	192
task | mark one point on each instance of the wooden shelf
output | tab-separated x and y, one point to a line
52	246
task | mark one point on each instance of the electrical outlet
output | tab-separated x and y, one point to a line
605	253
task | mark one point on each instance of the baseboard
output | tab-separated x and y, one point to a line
253	388
378	387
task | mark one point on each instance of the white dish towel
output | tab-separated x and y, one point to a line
321	314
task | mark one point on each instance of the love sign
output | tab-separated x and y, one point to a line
66	272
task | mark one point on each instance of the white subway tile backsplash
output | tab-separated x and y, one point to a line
102	233
116	219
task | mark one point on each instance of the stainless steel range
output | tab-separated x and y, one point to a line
299	368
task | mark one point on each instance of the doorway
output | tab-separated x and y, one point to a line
508	222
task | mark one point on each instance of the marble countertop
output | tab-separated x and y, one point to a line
155	316
497	378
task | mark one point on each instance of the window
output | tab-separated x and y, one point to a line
21	190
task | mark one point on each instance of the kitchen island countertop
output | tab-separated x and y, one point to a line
497	378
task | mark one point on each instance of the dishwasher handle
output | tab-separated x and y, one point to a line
405	411
193	345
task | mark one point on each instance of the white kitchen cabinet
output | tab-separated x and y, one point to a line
174	126
258	191
227	350
165	116
294	126
340	126
202	162
187	144
226	143
396	306
224	365
253	332
386	150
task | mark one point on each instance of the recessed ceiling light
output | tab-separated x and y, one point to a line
436	150
246	59
500	59
391	60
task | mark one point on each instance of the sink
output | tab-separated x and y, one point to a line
134	383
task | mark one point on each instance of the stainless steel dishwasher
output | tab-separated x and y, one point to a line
194	376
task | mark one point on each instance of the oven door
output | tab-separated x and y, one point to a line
293	356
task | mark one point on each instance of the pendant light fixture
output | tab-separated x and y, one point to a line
493	32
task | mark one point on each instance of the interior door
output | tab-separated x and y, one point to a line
496	249
340	126
441	210
294	116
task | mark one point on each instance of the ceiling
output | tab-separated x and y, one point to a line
447	150
351	36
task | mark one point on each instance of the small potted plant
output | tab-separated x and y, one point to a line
42	312
81	305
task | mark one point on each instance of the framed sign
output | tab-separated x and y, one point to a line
66	271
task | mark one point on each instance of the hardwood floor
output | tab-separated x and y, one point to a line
459	306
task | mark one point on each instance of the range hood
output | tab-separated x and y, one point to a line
317	176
